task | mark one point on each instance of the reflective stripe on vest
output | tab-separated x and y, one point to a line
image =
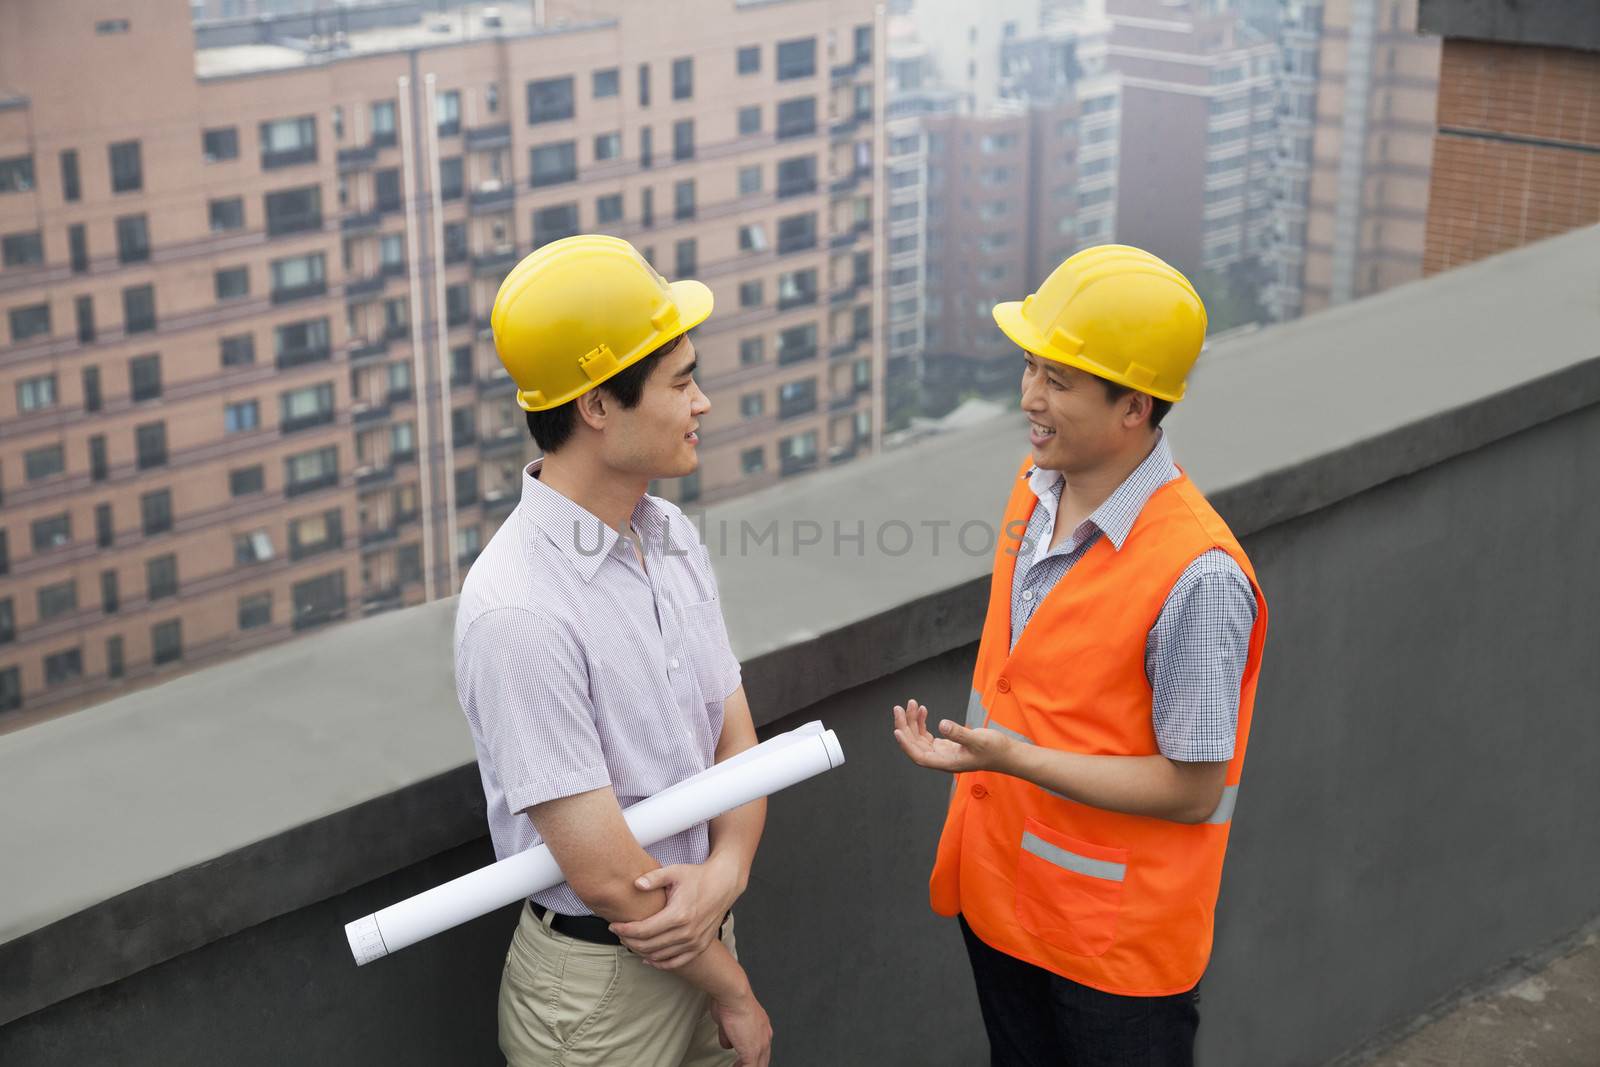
1071	861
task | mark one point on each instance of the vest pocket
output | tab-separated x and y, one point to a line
1069	892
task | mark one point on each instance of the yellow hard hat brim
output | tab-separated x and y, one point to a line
1008	316
694	305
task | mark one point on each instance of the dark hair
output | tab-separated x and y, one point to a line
1158	407
553	427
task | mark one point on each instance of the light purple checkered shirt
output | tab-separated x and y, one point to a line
1195	654
578	667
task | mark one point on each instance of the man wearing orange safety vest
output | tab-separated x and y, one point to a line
1099	763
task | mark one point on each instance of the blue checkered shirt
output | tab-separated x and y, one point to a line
1195	654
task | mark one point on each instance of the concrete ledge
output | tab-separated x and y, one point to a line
173	817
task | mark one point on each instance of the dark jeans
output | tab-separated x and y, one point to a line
1038	1019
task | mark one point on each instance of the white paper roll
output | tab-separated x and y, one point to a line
775	764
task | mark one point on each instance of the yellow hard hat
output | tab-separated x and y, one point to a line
1117	312
579	310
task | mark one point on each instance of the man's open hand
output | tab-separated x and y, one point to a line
960	749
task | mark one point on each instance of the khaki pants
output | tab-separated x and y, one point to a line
570	1003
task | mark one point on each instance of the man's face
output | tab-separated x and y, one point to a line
657	438
1073	426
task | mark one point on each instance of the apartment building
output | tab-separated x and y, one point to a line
247	385
1198	131
1298	27
1378	83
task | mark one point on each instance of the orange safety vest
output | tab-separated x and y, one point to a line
1121	903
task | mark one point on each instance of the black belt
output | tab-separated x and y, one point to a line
591	928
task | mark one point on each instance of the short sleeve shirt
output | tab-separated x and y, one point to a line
580	667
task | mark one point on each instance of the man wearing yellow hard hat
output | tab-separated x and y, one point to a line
594	669
1098	763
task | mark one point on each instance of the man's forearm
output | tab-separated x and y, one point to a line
735	836
1134	785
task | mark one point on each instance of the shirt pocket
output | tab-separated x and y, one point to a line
1069	891
705	644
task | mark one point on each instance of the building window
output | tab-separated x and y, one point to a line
241	416
58	599
144	377
752	350
311	470
252	547
683	199
114	663
605	83
91	388
105	534
71	187
797	176
752	405
607	146
46	462
864	43
22	249
753	460
386	189
294	210
246	480
238	350
36	394
220	144
797	344
10	689
78	247
318	600
749	59
554	223
797	59
133	239
31	321
233	283
683	79
53	531
302	408
63	667
383	123
288	141
644	88
451	181
797	117
554	163
447	107
298	276
155	512
8	623
753	238
749	121
227	214
255	611
83	310
646	151
166	642
16	174
687	257
608	209
138	309
150	444
315	533
549	100
127	170
750	180
683	139
751	294
797	233
161	576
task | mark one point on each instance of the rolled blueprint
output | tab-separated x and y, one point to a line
776	764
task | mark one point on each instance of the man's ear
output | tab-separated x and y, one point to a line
1137	407
592	409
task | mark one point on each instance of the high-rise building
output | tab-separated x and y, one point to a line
1517	155
247	385
1198	131
1298	26
1368	200
1017	178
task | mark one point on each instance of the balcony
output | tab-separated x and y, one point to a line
288	157
377	538
803	242
290	293
306	422
1352	511
305	222
311	485
380	600
354	159
400	395
369	476
358	288
843	348
363	412
846	294
795	300
482	137
789	465
793	409
849	182
496	385
483	201
363	351
296	357
496	263
792	354
843	129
